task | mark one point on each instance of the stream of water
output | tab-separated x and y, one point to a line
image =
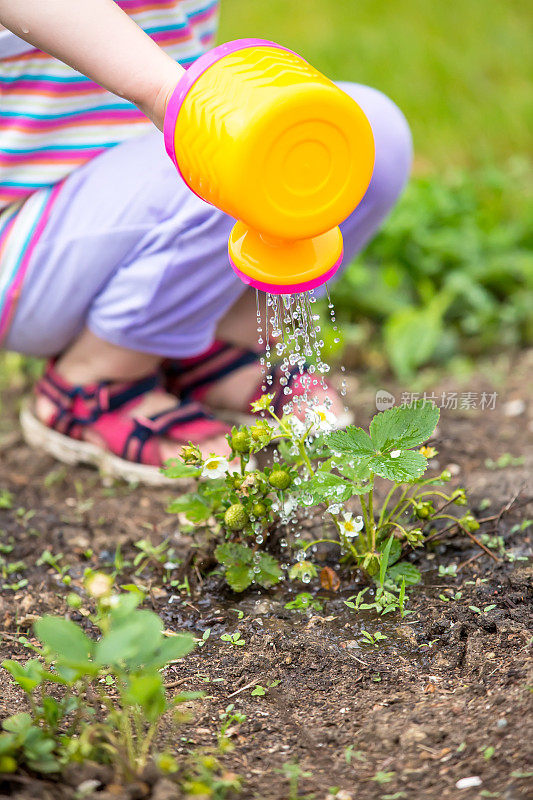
289	328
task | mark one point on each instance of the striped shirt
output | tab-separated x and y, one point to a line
53	119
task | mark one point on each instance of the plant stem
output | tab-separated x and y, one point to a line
371	514
385	504
365	516
305	457
146	744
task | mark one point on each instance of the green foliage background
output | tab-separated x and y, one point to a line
460	71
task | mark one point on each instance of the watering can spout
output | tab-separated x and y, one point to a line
262	135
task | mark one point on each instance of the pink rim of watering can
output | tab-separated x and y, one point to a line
192	73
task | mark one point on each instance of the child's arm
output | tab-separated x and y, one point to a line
99	40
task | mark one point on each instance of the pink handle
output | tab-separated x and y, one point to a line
190	77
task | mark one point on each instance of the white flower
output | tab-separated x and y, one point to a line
395	453
322	418
349	526
215	467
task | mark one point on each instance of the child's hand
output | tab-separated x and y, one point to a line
99	40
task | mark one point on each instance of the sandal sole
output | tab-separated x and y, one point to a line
75	452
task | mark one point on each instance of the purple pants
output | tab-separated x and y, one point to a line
130	252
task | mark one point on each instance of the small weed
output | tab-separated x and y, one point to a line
480	611
383	777
373	639
451	596
450	570
233	638
350	754
261	691
6	499
294	773
304	601
504	461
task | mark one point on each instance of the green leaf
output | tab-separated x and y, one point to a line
384	560
239	577
358	473
325	487
192	505
177	469
172	648
408	466
403	570
404	427
28	676
131	642
147	691
18	723
65	640
230	553
270	571
395	552
353	441
8	743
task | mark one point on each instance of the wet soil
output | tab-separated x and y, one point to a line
446	697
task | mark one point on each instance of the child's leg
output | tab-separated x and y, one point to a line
131	268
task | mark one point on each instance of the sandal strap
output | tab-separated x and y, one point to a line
79	406
145	430
191	378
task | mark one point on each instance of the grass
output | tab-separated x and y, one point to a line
459	71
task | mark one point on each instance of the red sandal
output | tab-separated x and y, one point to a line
191	378
131	450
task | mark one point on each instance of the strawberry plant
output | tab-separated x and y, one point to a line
317	467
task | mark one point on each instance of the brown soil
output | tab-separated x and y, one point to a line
446	697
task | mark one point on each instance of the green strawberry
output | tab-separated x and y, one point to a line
280	479
235	517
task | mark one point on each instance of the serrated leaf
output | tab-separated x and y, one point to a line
239	577
404	571
230	553
359	472
404	427
178	469
192	505
406	467
354	442
325	487
270	571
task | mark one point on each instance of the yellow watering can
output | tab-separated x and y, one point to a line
256	131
